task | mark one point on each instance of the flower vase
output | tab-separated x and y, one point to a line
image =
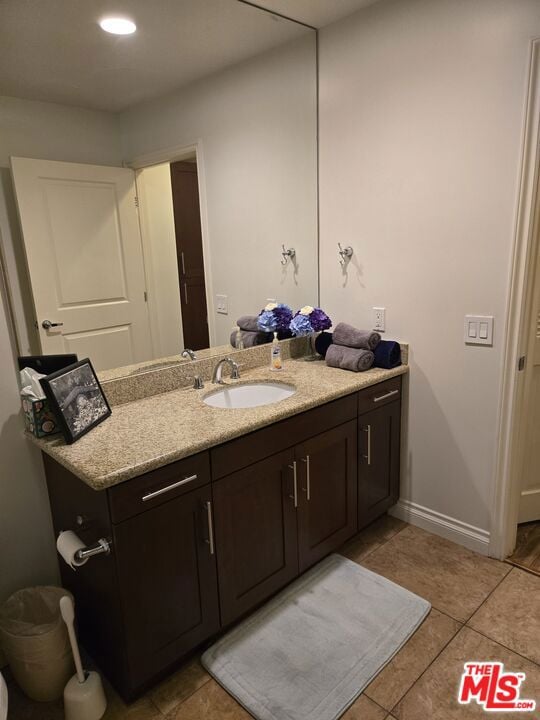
311	352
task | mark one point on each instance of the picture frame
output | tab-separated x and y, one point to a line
76	397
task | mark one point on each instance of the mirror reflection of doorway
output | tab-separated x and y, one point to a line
189	250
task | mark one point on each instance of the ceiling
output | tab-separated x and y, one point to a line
316	13
54	50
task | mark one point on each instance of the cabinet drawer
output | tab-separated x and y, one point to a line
249	449
379	395
158	486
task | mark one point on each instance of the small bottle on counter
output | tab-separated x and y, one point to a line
239	338
276	363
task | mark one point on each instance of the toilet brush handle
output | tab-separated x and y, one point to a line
68	615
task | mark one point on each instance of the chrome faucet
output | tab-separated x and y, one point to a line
235	374
189	353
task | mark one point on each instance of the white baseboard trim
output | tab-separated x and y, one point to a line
447	527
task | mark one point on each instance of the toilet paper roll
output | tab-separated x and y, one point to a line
67	545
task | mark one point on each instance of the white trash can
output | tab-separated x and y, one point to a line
35	641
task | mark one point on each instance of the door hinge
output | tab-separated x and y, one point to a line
145	296
521	362
136	201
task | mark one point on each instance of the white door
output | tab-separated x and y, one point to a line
83	248
529	506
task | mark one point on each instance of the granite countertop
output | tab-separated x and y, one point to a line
155	431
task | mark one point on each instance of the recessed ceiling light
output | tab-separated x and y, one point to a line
118	25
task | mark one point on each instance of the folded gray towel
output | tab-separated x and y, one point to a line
248	322
351	337
251	339
355	359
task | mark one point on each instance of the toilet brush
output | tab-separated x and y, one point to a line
84	698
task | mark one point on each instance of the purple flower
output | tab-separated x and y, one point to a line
283	316
300	325
320	320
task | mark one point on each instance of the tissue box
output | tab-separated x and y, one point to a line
39	418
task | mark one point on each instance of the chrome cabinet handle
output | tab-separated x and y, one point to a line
210	540
47	324
168	488
307	489
386	395
367	430
185	293
295	485
183	262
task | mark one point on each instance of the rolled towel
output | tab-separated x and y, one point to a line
323	342
345	358
387	354
249	323
352	337
251	339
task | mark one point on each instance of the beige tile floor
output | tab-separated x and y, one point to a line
482	610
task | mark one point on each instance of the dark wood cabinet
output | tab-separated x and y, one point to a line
168	582
199	543
379	456
255	524
327	492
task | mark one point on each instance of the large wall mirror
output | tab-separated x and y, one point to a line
212	212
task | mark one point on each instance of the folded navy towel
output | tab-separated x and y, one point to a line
387	354
355	359
350	336
251	339
249	323
323	342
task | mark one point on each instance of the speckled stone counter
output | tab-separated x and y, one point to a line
155	431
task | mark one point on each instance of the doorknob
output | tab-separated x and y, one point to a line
47	324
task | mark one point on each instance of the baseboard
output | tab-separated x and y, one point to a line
447	527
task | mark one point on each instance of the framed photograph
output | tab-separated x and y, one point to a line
76	397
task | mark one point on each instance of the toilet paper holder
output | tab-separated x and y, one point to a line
101	547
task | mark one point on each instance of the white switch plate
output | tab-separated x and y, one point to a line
222	304
478	330
379	319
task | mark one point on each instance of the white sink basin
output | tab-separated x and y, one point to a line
249	395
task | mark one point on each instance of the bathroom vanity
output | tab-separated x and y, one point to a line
199	542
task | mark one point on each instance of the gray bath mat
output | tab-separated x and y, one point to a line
310	651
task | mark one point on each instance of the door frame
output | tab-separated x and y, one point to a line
513	406
170	155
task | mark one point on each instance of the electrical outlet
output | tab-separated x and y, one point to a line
379	319
222	304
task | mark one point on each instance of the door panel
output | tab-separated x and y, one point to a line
168	581
378	461
255	521
327	468
84	254
189	248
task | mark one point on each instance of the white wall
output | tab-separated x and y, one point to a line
421	114
257	124
39	130
160	259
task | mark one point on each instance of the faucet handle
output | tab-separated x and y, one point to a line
198	383
235	372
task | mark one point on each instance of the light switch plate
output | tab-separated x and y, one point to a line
379	319
222	304
478	330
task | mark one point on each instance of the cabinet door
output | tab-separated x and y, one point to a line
327	488
378	461
168	581
255	521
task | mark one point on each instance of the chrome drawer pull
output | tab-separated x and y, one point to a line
167	488
307	489
210	540
386	395
367	430
295	481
